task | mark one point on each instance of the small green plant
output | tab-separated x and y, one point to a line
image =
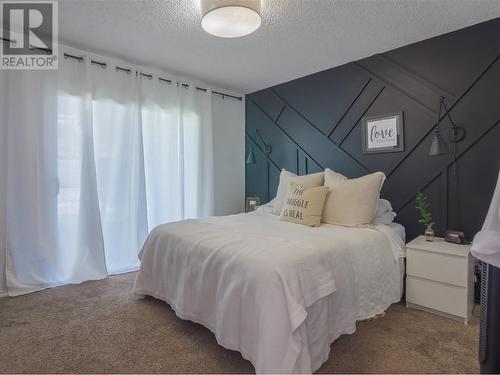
423	208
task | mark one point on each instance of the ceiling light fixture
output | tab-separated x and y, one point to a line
230	18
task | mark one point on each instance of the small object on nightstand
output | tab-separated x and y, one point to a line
440	278
429	233
252	203
455	236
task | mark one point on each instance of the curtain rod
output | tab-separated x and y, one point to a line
13	42
149	76
31	47
128	71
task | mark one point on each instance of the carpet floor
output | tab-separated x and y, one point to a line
100	327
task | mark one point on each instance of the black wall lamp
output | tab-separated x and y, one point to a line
267	149
454	134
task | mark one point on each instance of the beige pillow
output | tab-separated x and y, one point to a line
307	181
304	205
333	179
351	202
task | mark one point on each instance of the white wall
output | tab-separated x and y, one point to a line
229	158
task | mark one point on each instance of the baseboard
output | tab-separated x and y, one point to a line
429	310
124	270
3	293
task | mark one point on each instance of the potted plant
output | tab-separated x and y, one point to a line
422	205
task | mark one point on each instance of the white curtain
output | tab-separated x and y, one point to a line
3	113
119	165
95	158
486	244
178	151
32	254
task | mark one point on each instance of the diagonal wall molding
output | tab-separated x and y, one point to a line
339	149
315	122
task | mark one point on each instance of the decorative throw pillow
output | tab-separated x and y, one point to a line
304	205
307	181
351	202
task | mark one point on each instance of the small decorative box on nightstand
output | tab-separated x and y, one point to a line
440	278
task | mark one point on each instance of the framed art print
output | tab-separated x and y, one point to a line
383	133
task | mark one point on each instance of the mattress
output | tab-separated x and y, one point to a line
277	292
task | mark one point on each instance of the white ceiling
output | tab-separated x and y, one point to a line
297	37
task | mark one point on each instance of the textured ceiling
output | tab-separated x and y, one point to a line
297	37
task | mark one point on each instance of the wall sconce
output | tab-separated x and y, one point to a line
251	157
267	149
454	134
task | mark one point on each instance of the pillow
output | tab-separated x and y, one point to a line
385	214
333	179
351	202
265	208
304	205
383	206
385	218
307	181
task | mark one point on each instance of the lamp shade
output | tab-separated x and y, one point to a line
437	146
230	18
251	157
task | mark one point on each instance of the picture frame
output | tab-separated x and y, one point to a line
382	134
252	203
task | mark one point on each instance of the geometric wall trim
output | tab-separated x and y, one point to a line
314	122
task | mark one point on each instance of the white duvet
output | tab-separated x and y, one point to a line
277	292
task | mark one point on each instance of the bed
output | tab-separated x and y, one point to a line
277	292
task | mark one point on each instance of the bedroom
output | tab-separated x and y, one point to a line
240	186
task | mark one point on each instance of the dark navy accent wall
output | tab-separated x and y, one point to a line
314	122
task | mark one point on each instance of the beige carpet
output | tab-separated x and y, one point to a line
100	327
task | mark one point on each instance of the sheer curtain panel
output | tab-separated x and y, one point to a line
119	164
94	157
3	159
178	150
33	260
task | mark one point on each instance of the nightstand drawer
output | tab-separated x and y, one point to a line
438	267
446	298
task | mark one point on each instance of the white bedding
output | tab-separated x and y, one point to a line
277	292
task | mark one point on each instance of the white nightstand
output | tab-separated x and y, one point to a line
440	278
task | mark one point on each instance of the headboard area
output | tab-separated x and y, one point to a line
315	122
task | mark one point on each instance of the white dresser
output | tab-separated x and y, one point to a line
440	278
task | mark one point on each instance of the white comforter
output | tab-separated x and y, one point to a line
253	279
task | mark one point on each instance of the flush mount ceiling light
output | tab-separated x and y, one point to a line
230	18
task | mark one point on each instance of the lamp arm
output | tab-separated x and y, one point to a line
457	132
448	115
441	102
267	147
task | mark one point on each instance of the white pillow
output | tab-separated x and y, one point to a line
304	205
383	206
265	208
386	218
307	181
351	202
385	214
